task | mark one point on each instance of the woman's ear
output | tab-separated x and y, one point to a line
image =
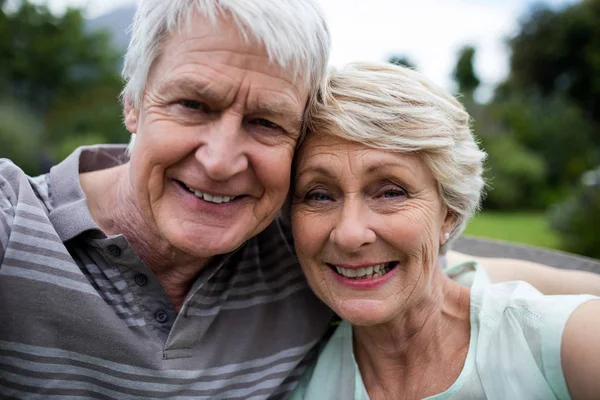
447	226
131	116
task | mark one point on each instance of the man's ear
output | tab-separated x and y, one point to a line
131	115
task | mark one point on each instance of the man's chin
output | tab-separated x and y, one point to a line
207	243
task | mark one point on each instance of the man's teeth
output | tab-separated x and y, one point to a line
211	198
364	273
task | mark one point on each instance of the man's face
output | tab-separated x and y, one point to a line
215	136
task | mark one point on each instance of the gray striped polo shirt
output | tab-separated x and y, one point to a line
82	317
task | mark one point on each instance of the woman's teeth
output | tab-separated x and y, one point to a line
366	272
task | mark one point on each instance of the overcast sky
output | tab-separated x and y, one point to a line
429	32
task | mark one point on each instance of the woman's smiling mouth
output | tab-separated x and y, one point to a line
365	272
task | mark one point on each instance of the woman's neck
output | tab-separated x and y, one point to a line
423	350
114	209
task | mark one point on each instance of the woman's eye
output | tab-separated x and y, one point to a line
393	194
318	196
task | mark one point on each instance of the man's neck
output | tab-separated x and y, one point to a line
113	207
422	351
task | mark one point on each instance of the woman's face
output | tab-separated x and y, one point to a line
367	225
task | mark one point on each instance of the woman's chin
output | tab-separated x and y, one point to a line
362	312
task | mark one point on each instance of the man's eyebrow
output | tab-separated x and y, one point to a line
191	87
278	109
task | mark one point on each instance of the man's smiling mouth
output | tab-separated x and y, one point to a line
211	198
370	272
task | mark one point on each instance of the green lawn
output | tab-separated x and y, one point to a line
522	227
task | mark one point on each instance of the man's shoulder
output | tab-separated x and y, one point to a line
9	171
16	185
11	179
19	195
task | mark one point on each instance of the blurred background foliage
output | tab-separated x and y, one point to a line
59	87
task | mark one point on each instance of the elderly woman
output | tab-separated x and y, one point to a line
388	176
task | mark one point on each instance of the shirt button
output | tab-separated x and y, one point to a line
161	316
114	251
141	279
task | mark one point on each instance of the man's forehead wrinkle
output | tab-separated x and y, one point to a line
218	42
233	57
196	66
198	26
218	49
224	51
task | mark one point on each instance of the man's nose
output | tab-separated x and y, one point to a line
352	231
223	152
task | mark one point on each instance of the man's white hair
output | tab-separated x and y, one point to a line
293	32
395	108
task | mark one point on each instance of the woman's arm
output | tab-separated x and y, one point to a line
546	279
580	352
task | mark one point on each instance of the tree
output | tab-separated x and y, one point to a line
46	57
464	72
550	102
67	79
577	219
558	52
402	61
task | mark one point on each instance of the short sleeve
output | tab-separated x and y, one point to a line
551	340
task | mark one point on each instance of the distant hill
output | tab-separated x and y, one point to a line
116	22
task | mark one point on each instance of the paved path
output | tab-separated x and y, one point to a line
496	248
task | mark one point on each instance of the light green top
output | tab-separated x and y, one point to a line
514	350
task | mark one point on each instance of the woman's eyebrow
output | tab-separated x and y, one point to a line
316	170
378	165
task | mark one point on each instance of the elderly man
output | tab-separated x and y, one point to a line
164	272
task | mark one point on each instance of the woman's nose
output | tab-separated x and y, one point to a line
352	230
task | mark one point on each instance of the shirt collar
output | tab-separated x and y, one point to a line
69	213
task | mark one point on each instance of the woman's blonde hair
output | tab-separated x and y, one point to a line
394	108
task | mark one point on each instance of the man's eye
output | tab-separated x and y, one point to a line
265	123
194	105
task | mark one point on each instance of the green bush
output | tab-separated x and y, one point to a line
515	176
20	138
577	219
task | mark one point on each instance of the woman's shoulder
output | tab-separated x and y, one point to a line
494	302
580	351
520	332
